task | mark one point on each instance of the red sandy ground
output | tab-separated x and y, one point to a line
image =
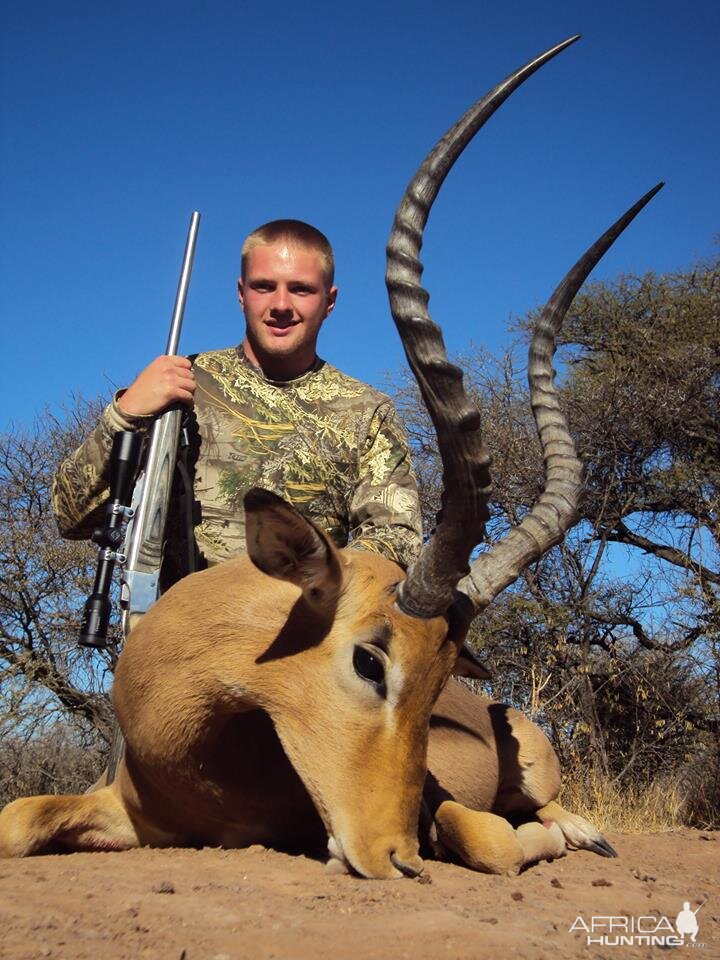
263	905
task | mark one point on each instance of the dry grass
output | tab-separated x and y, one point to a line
58	762
688	796
635	808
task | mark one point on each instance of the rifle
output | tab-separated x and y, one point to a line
146	516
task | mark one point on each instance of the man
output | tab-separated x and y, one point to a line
267	413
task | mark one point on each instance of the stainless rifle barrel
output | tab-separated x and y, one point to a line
183	284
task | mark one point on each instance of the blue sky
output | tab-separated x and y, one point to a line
118	121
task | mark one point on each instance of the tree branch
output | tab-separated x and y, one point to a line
622	534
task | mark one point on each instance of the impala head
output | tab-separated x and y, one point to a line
349	681
371	650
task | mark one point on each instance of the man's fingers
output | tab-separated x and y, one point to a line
165	381
186	387
187	398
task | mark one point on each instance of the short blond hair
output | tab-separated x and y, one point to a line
293	232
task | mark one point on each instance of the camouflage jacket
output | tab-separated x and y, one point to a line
330	445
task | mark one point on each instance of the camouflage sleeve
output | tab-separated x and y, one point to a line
80	487
385	509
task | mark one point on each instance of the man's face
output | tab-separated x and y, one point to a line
285	299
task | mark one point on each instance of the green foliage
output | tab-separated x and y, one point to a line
644	367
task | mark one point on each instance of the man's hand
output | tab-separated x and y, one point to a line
165	381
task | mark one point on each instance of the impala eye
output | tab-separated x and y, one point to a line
369	666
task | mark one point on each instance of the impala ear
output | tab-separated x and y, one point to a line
285	545
468	665
460	615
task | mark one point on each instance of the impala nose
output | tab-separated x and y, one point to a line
410	867
386	864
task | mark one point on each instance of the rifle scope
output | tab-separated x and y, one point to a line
124	462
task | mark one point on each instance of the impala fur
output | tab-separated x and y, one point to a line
299	694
